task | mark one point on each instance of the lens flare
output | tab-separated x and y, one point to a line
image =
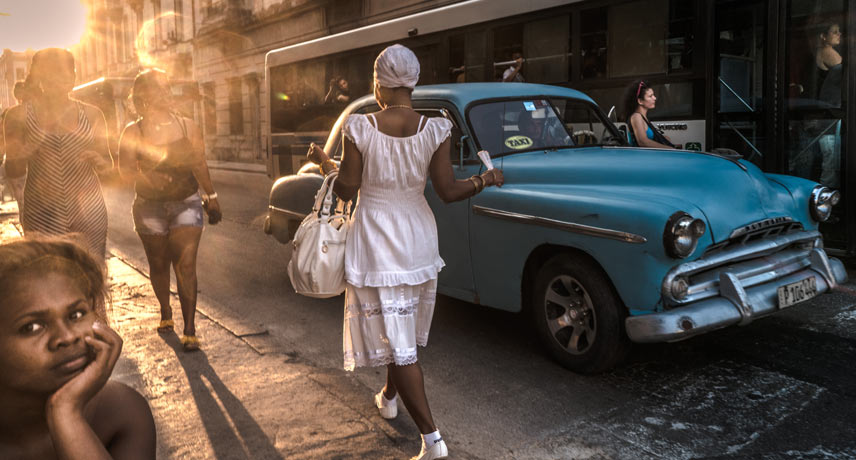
144	44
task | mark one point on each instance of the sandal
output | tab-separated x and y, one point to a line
166	325
190	342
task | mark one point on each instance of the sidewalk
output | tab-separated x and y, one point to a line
230	401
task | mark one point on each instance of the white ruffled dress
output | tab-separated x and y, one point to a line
391	254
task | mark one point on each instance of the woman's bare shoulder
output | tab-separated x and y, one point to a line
16	113
121	414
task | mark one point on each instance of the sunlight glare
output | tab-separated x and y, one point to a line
146	34
37	24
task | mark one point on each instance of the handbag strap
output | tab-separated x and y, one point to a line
324	197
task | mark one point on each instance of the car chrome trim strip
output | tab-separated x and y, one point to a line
288	213
740	262
561	225
739	306
760	225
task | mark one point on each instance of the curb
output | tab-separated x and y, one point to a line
237	166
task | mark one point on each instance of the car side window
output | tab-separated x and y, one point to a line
581	121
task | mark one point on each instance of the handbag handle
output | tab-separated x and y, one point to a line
324	197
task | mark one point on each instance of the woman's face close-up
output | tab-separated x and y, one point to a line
57	80
833	35
649	101
43	320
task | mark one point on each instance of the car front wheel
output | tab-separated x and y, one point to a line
578	315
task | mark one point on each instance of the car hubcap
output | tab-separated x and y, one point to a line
570	314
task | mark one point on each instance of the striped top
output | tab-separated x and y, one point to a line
62	194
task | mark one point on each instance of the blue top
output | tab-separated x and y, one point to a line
632	138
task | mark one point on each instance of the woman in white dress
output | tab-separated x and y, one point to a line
391	255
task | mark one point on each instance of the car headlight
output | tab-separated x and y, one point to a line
681	235
821	202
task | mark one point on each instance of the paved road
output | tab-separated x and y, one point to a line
782	387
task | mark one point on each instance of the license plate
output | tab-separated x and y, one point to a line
794	293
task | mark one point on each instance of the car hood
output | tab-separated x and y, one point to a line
728	193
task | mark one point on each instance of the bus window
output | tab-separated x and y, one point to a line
466	57
637	33
546	50
638	38
681	36
457	59
507	41
593	27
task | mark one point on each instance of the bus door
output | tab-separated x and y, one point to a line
738	104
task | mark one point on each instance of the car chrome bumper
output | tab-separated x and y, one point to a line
734	304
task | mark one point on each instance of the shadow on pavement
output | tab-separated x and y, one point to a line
230	427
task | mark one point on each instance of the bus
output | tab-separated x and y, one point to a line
738	74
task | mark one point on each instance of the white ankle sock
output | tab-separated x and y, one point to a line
428	440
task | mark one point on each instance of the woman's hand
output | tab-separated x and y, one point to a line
493	177
106	345
212	207
316	154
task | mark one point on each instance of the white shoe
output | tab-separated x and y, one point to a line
438	450
388	408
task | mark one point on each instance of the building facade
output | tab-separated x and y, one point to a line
215	50
13	67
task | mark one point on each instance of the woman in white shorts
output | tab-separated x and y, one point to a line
163	152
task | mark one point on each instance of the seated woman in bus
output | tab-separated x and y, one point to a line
56	356
638	100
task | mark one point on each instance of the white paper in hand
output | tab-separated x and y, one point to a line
485	158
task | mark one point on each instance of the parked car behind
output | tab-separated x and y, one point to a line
600	243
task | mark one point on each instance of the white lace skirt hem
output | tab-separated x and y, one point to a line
384	325
394	278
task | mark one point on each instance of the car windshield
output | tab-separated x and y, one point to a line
505	127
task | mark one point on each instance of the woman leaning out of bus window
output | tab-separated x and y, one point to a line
639	99
164	154
391	256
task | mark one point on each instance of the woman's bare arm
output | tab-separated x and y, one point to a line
200	165
450	189
129	142
124	417
17	150
350	172
98	155
200	171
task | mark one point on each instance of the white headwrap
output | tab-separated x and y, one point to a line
396	67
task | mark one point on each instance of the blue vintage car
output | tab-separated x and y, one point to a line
603	244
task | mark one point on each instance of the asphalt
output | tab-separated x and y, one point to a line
228	400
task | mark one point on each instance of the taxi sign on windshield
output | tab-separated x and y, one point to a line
518	142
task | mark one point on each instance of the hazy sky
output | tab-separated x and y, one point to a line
40	24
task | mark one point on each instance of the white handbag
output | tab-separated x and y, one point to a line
317	265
